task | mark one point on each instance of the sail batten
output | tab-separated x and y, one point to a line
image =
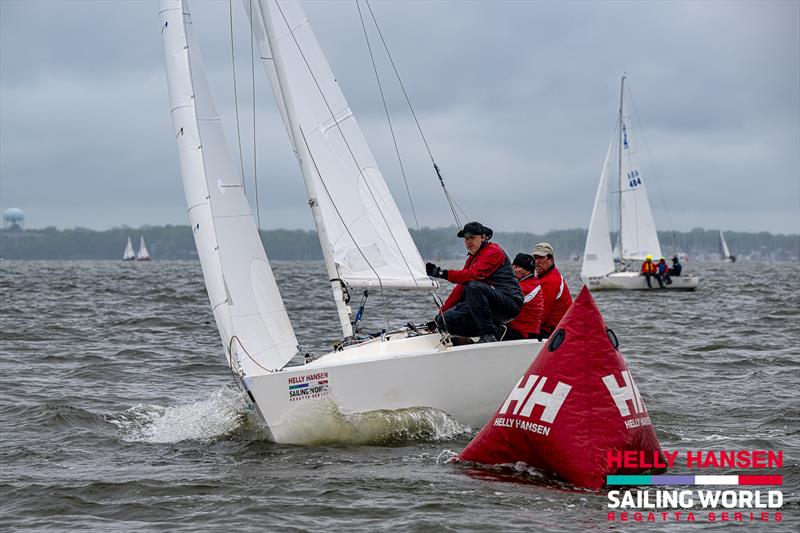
246	303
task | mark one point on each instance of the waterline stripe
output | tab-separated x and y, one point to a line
694	480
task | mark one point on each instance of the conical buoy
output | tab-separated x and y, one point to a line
574	411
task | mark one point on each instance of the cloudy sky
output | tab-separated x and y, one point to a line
518	101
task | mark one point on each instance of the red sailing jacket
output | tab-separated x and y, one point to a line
529	319
557	298
490	264
649	267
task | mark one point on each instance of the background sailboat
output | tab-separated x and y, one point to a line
602	267
128	254
142	254
364	239
724	252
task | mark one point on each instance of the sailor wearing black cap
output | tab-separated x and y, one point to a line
528	323
487	291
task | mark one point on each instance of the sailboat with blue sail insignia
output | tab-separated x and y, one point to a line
607	268
364	239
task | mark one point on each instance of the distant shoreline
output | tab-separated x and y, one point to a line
176	243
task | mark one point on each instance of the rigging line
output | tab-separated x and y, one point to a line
347	144
653	167
413	113
388	117
335	208
236	99
255	154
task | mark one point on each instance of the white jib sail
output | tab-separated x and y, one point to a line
724	252
142	253
128	253
597	255
247	305
370	240
639	237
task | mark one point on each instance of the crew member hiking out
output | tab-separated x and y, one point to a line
528	323
557	298
650	270
675	269
487	292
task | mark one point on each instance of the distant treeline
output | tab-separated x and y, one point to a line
176	242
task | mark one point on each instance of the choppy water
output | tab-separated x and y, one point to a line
118	412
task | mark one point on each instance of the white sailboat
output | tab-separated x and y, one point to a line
724	252
142	254
128	254
364	239
618	268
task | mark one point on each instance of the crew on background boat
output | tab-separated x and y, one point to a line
675	269
650	270
528	324
487	292
663	270
555	292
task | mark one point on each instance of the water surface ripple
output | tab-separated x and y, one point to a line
117	409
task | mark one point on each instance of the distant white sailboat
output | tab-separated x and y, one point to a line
128	254
602	267
142	254
724	252
365	243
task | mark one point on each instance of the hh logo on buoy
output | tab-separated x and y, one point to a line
627	393
524	400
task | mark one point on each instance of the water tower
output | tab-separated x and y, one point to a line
14	219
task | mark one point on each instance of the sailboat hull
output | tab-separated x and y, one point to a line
311	403
633	281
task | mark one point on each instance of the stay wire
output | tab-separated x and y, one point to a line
653	167
347	144
388	117
236	98
255	155
447	194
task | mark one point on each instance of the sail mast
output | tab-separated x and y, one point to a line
303	157
619	172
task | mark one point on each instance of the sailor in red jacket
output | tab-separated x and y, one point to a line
557	298
487	291
528	323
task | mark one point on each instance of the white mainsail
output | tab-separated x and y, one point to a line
724	252
142	254
639	237
598	258
247	305
128	254
368	238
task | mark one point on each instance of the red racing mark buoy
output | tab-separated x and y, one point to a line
574	411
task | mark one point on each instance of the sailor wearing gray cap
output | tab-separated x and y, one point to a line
557	298
487	292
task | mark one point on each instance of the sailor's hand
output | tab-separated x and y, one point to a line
431	326
434	271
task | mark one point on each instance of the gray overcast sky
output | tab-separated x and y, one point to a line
517	99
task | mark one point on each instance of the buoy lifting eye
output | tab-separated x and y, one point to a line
557	339
613	338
